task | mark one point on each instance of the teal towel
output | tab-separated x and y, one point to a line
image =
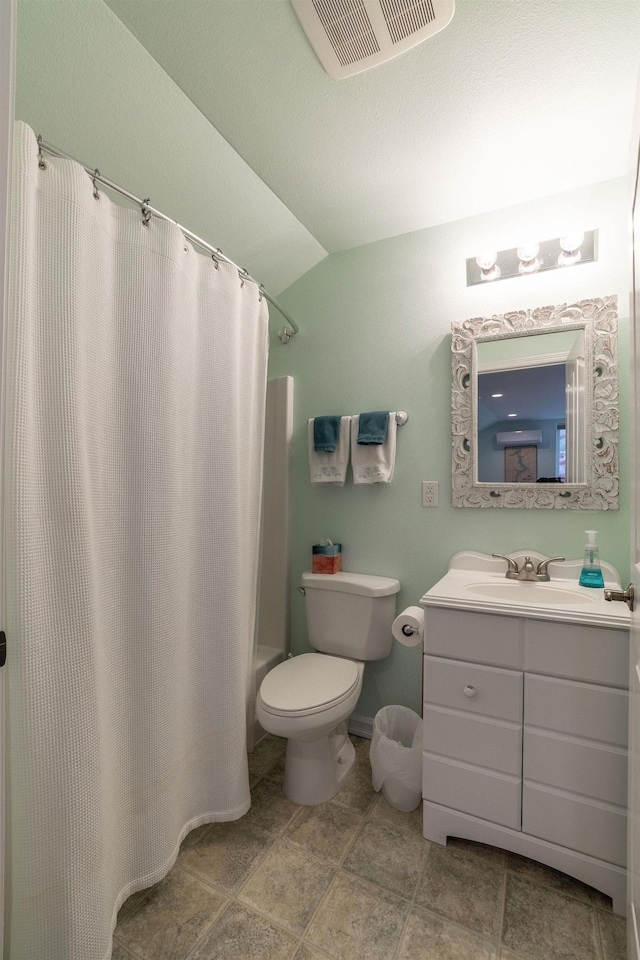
326	431
372	427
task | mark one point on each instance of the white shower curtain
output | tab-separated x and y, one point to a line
135	383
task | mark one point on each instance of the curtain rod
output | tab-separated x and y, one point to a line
283	334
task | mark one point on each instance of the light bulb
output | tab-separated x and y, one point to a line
572	241
486	259
568	258
494	273
528	251
529	266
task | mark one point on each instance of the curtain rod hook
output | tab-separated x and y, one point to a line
42	163
96	192
146	213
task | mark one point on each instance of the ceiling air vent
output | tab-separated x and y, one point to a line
350	36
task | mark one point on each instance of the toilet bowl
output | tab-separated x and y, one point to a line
307	699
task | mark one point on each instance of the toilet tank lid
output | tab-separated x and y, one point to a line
360	583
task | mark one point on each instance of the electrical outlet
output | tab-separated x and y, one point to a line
429	493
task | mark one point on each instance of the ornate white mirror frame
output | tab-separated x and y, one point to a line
598	319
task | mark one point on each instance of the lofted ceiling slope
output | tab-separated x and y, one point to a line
514	100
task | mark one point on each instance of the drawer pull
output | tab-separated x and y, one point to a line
469	690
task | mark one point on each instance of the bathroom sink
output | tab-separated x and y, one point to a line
540	594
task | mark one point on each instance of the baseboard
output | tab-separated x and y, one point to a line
361	726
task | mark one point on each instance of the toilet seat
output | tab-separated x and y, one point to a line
307	684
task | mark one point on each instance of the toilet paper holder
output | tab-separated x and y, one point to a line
408	630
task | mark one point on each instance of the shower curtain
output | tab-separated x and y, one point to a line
135	384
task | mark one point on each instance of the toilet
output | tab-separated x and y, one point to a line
308	699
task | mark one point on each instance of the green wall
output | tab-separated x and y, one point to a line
375	334
90	88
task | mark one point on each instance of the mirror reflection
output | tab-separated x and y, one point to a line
530	422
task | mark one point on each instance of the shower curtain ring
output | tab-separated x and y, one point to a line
42	163
96	192
215	262
260	289
146	213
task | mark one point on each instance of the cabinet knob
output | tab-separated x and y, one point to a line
469	690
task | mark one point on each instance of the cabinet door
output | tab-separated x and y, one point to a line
473	739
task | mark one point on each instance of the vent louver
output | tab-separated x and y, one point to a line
347	25
404	17
350	36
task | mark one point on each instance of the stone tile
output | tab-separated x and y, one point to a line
430	938
270	810
358	793
362	746
464	889
412	821
192	839
357	921
613	935
264	757
543	924
539	873
227	854
482	850
387	856
276	772
240	934
288	886
309	953
169	922
119	953
327	830
507	955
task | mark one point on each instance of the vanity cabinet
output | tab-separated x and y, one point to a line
525	737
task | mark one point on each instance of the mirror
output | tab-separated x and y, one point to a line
535	416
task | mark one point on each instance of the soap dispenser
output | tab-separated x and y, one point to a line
591	575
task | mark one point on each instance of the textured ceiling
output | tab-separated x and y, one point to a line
513	100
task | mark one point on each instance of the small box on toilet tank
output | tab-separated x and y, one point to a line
326	557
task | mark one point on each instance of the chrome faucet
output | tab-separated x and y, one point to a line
528	571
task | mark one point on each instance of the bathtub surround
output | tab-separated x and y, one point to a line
389	305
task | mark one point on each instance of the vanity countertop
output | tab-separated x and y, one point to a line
477	582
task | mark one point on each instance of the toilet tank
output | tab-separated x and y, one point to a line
350	614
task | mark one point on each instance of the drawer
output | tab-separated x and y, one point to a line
596	654
593	828
472	636
496	692
592	770
579	709
495	744
491	796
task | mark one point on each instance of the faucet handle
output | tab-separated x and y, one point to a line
542	573
512	569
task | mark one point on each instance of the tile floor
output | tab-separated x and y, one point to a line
354	879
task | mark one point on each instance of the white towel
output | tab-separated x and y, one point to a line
373	462
330	468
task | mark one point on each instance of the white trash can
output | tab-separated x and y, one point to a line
396	756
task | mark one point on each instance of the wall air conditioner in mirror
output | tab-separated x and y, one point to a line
350	36
519	437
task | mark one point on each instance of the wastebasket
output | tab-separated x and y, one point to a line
396	756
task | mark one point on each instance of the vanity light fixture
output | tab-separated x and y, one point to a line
532	257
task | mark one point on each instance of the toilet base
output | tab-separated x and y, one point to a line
314	770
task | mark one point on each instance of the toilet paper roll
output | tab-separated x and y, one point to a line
408	626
